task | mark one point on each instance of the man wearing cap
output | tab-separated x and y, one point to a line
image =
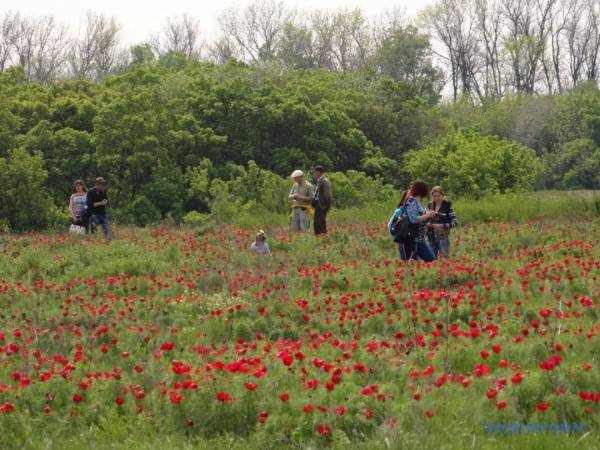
97	199
321	200
301	196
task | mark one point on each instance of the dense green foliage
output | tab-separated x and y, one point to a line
471	165
175	136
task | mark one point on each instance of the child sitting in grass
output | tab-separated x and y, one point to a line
260	246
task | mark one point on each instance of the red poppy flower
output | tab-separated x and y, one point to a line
262	417
284	396
517	378
339	411
323	430
223	396
45	376
542	406
480	370
501	405
175	398
77	398
287	359
6	408
251	386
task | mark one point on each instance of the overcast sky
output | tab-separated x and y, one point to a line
141	18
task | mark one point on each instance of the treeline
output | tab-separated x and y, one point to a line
163	133
483	48
264	32
178	135
174	134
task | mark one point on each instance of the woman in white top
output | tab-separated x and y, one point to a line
77	204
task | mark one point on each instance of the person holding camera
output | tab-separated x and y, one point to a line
97	200
438	229
410	205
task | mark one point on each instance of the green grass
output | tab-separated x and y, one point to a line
546	205
216	302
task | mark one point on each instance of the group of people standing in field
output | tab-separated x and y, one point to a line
307	201
87	209
310	201
430	226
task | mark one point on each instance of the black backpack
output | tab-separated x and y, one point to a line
402	229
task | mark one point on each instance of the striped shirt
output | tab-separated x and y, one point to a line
449	220
77	204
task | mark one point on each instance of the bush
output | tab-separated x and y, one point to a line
356	189
575	166
143	212
468	164
255	190
25	204
196	219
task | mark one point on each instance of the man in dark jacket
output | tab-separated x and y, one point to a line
321	200
97	199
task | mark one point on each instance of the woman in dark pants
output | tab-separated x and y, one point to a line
410	204
438	230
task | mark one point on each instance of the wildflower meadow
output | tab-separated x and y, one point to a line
177	338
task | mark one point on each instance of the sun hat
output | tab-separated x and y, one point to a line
297	173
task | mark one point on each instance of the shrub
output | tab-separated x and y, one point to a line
356	189
25	202
143	212
468	164
196	219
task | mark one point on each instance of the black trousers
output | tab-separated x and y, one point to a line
320	221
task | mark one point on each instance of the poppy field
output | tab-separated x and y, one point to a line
171	338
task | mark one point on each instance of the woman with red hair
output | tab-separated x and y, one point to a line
410	205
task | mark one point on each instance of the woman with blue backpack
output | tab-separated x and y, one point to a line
408	225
